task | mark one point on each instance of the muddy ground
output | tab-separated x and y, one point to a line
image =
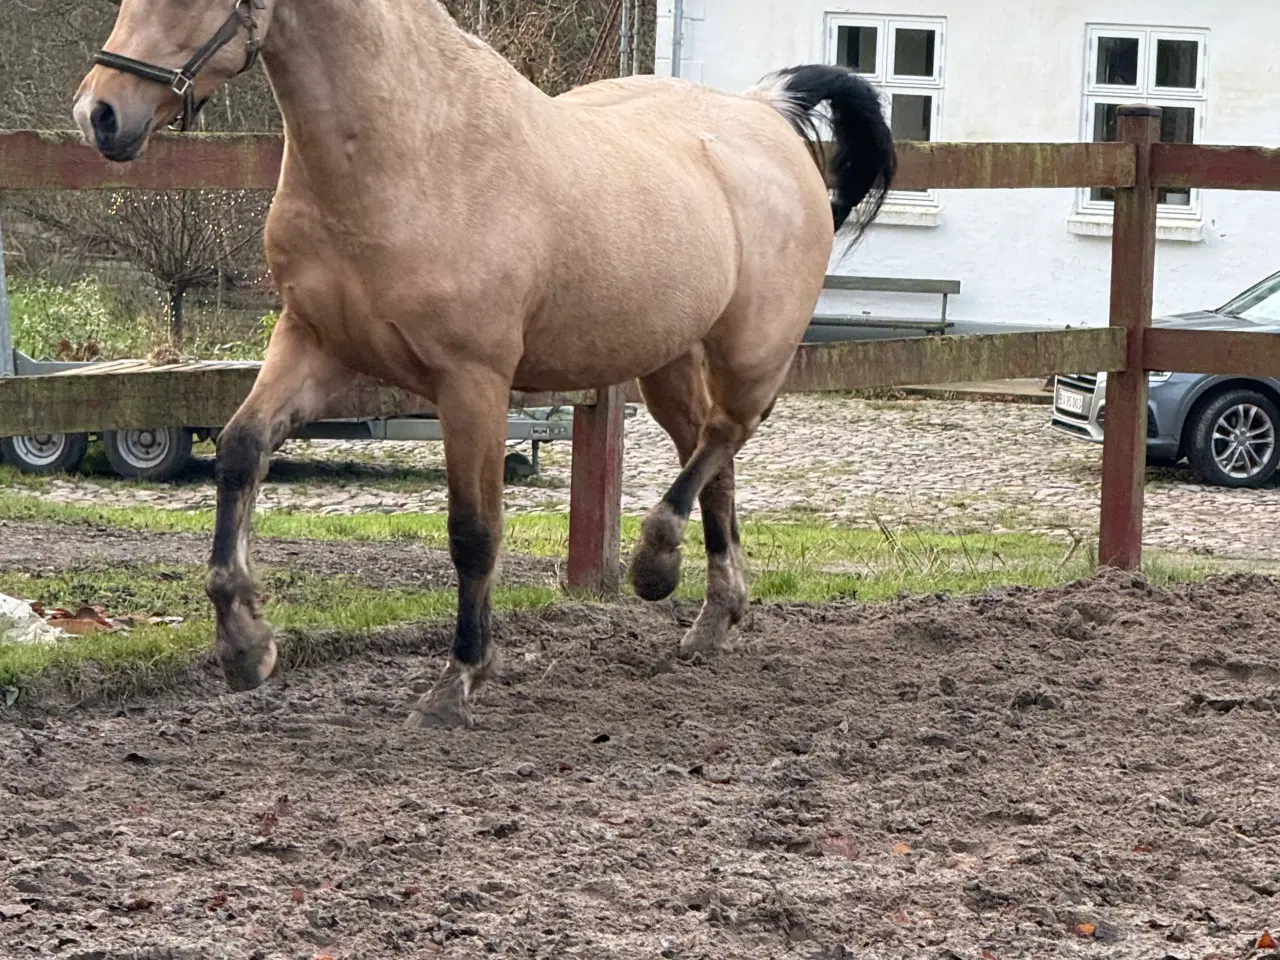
1084	772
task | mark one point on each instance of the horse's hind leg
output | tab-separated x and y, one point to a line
678	398
296	381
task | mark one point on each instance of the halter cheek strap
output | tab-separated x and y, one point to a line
183	81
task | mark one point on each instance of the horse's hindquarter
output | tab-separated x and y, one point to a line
671	193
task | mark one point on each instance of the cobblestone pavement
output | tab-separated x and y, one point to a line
951	465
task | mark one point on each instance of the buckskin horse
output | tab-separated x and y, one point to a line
444	226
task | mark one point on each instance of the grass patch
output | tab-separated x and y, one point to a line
791	562
148	654
88	319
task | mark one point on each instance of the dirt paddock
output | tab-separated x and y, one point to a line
1090	771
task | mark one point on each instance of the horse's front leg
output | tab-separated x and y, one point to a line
473	415
295	383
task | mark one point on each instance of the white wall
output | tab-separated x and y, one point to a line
1014	71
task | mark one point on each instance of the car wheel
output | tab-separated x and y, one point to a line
1234	440
157	455
45	452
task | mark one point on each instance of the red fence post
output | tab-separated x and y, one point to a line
595	494
1133	258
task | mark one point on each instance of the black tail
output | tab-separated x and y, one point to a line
865	162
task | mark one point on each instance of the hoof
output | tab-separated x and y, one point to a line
655	565
703	642
448	704
249	664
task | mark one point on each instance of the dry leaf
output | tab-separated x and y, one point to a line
297	896
1266	941
219	900
78	626
1085	929
901	849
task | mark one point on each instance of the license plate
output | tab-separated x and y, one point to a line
1070	401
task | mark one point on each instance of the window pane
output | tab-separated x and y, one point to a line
857	48
911	117
1104	131
1177	125
913	53
1118	61
1105	116
1177	63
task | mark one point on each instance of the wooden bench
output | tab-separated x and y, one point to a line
943	288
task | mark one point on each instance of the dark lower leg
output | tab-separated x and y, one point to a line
655	566
474	422
726	599
245	646
295	382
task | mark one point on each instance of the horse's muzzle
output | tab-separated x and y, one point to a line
112	140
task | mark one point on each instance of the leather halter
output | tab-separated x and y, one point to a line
183	81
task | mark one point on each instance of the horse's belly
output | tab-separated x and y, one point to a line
580	356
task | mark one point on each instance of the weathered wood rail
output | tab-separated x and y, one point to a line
1136	166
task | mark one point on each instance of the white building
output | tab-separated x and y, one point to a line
1030	70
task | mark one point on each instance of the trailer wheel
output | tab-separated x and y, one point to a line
45	452
517	467
153	454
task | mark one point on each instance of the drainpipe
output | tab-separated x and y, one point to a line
677	34
6	332
624	42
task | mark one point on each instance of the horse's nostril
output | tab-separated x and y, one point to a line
104	122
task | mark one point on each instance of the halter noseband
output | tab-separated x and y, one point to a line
183	82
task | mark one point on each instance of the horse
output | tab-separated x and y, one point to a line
446	227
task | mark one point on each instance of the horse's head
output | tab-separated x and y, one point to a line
164	58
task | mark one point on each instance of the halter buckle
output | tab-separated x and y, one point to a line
182	85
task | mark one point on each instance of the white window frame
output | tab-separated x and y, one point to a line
1146	92
888	84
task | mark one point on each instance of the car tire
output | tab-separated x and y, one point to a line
45	453
1235	440
157	455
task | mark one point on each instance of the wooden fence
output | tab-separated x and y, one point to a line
1135	168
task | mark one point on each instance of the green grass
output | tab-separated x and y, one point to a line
802	561
89	312
296	601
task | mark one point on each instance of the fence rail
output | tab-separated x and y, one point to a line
1135	167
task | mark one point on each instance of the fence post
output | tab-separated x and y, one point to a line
595	494
1133	258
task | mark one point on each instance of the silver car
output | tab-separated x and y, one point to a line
1226	426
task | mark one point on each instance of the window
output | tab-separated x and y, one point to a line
902	58
1164	68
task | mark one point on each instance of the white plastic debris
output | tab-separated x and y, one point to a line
20	624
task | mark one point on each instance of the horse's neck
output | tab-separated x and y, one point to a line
384	82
